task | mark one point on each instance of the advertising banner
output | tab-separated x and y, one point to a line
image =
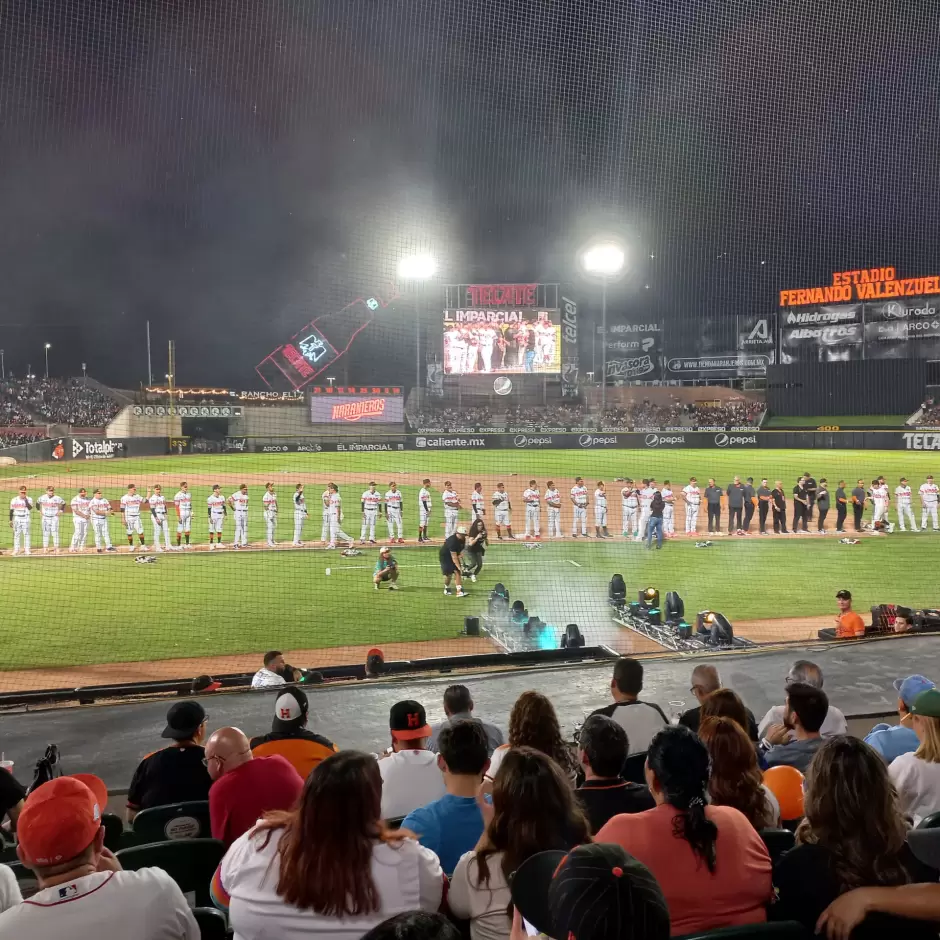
634	351
728	365
97	448
502	341
362	409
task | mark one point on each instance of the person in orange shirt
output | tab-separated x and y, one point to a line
849	624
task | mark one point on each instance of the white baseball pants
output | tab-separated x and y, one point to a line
501	517
669	519
580	519
931	512
99	526
336	531
299	519
160	526
904	509
630	515
450	521
881	511
691	518
241	528
270	520
394	523
423	517
644	522
185	523
368	524
325	531
133	524
554	523
600	516
79	531
533	521
216	521
21	534
50	530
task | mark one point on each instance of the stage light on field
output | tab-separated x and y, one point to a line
649	597
617	591
675	607
417	268
572	637
716	626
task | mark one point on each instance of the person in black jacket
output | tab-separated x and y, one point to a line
475	549
809	484
764	500
842	506
859	498
735	493
800	505
750	495
822	503
779	502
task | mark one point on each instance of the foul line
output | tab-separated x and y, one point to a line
570	562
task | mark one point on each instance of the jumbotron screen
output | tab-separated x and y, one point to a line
500	341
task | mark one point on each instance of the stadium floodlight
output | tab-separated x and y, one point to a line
417	268
47	347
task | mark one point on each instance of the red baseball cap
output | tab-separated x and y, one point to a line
61	818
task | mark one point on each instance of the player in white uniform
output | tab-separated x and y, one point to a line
451	509
99	509
336	517
669	510
929	493
600	511
880	499
692	496
393	518
300	513
629	509
903	493
157	502
371	503
487	341
269	510
424	510
80	513
216	507
533	511
579	499
50	508
477	503
21	507
325	530
646	502
502	507
183	501
239	503
553	505
131	502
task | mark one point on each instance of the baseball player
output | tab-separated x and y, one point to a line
393	517
502	507
692	496
80	513
371	501
669	509
533	511
579	499
300	513
239	503
487	342
928	500
131	502
880	499
646	501
336	517
20	508
903	493
216	508
553	505
477	502
99	509
51	507
451	509
600	511
157	502
269	511
424	510
183	501
325	530
629	509
386	570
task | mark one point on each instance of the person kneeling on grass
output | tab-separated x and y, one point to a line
386	569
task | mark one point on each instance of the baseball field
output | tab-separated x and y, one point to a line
105	618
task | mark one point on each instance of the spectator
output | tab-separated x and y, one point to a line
329	868
848	623
595	892
725	703
204	684
840	920
711	864
452	825
533	810
891	741
806	711
603	748
176	773
533	723
705	682
83	891
853	835
270	674
641	720
810	674
245	787
10	894
410	775
414	925
290	737
916	775
735	777
12	794
458	706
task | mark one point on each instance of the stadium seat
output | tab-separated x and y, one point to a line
212	923
173	822
190	863
634	768
113	830
929	822
783	930
777	841
395	822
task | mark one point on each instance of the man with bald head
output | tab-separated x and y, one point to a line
705	680
245	787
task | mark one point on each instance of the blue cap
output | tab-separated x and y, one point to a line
908	689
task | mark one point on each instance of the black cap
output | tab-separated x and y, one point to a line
290	710
183	720
846	595
408	721
595	892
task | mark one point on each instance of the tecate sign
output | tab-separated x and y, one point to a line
589	440
97	450
450	442
523	440
735	440
921	441
664	440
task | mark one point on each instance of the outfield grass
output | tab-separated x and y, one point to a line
836	421
85	610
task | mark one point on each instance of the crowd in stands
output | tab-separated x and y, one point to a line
25	402
12	438
641	828
736	413
929	412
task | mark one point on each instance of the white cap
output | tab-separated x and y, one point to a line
384	549
461	530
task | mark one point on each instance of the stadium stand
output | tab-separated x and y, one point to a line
56	401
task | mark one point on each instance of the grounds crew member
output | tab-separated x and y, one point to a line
779	502
822	503
713	504
386	570
750	498
735	493
763	506
859	498
842	506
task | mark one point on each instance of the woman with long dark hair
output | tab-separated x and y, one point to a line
852	835
533	810
475	549
709	882
329	868
533	723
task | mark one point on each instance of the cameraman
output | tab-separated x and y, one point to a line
386	569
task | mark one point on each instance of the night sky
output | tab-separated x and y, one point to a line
229	169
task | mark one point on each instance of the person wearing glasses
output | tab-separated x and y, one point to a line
705	681
803	671
245	787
